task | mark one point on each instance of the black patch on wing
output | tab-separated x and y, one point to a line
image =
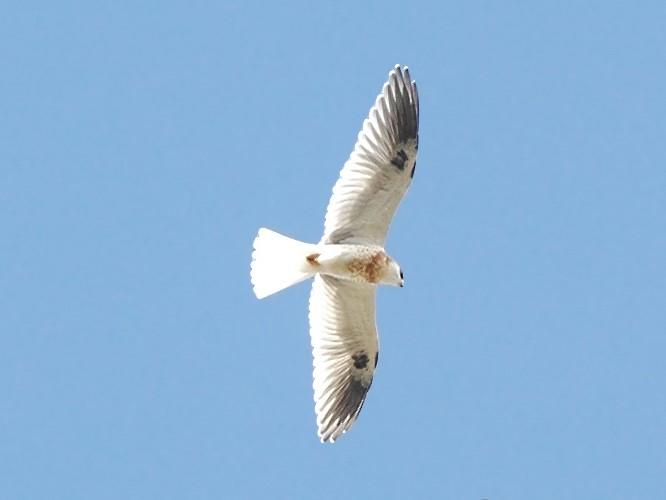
399	159
376	358
360	360
413	170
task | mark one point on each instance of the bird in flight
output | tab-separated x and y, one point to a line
349	261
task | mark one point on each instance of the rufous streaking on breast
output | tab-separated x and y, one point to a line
372	268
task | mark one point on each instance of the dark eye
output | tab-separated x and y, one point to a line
401	276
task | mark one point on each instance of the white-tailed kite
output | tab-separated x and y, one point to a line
349	261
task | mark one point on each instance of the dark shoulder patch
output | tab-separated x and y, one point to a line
360	360
376	358
399	159
413	170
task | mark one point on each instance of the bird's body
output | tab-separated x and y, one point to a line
349	261
358	263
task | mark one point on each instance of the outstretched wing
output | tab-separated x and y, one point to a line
379	170
344	350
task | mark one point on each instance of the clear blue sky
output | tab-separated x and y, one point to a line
142	145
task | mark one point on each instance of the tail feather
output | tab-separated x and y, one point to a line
278	262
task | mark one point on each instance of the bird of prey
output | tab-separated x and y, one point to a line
349	261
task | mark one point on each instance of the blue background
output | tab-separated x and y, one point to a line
143	144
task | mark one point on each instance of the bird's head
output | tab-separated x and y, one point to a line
393	275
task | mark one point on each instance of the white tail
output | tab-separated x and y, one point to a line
278	262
